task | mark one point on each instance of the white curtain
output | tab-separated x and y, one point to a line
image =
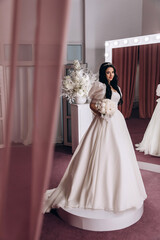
23	110
45	23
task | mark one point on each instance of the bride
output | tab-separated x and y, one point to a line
150	143
103	172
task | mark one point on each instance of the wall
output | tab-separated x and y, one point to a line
104	20
26	33
151	17
75	31
75	35
5	20
109	20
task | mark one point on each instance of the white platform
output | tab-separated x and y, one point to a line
99	220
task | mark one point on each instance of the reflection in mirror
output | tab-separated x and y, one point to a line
126	42
137	63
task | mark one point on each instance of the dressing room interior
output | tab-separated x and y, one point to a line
45	120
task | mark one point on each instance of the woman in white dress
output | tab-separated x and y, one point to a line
150	143
103	172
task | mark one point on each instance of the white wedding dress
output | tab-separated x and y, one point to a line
103	172
150	143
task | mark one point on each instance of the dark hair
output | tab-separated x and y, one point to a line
113	83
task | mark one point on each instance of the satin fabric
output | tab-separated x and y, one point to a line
103	172
150	143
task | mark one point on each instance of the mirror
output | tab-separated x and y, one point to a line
128	42
123	44
138	131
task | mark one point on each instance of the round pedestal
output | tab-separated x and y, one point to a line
99	220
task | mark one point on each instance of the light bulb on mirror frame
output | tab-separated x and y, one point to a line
106	44
136	40
106	55
158	36
115	43
125	41
146	39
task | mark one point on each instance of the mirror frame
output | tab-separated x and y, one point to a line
128	42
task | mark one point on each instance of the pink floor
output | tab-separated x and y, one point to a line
137	128
147	228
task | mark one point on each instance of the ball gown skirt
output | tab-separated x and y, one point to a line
150	143
103	172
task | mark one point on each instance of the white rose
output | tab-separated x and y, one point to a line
77	85
80	73
102	110
76	79
76	64
80	92
67	77
110	107
103	104
69	86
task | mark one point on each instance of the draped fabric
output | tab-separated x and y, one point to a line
149	77
23	110
43	23
125	60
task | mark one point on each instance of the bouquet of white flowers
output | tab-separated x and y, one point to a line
106	107
78	82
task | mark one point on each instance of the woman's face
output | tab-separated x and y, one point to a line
109	74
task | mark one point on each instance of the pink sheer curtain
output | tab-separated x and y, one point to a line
149	66
125	60
44	22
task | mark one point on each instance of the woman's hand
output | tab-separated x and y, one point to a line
94	109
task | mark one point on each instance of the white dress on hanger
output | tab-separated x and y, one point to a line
103	172
150	143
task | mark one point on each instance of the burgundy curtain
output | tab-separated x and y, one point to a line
44	23
149	77
125	60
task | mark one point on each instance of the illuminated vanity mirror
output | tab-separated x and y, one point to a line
126	42
137	61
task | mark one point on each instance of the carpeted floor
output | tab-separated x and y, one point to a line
147	228
137	128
